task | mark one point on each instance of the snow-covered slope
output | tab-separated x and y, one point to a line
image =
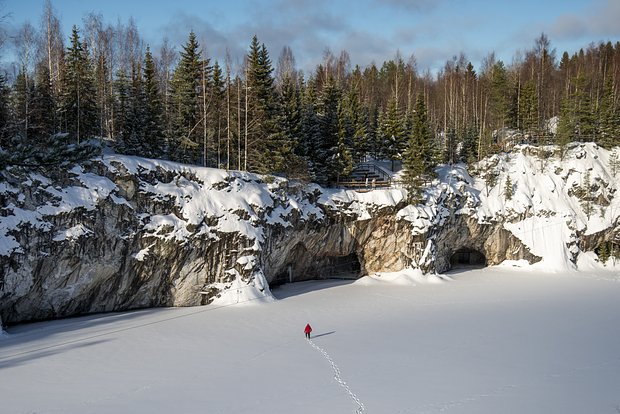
555	203
124	232
490	341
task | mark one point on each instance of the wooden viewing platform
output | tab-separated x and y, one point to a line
362	186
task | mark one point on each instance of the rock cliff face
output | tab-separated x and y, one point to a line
119	233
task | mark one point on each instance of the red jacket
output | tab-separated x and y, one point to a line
308	329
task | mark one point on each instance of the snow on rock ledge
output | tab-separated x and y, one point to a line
125	232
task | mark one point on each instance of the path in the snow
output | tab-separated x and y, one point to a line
338	377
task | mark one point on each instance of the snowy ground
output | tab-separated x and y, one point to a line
490	341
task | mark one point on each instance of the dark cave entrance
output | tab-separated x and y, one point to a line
340	267
319	268
467	258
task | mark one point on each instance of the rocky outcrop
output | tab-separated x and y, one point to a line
111	235
121	233
338	247
492	240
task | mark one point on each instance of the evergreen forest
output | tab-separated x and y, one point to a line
102	84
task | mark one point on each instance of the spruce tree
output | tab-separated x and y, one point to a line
450	145
327	114
153	109
508	190
134	139
43	106
269	146
122	127
5	114
357	116
418	161
378	143
185	98
205	111
78	102
566	126
608	115
219	122
392	132
576	115
310	144
528	107
469	149
290	112
585	194
342	161
614	162
424	137
499	102
603	252
583	110
22	98
105	97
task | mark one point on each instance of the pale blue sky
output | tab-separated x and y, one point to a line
370	30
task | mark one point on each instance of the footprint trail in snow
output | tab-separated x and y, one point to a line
338	378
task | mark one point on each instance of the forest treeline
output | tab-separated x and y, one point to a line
260	116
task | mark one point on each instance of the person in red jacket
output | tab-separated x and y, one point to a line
307	330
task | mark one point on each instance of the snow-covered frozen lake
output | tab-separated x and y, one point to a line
489	341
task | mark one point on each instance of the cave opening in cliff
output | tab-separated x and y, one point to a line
340	267
464	258
345	267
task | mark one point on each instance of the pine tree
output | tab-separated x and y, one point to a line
78	101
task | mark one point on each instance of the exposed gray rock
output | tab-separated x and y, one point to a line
124	233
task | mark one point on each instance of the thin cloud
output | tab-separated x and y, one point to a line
568	27
410	5
600	21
